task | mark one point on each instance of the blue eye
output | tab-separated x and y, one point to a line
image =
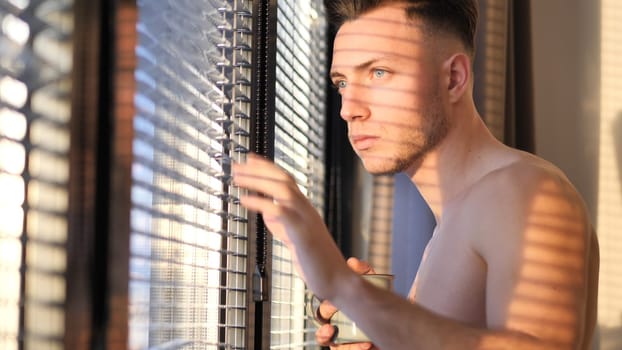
379	73
341	84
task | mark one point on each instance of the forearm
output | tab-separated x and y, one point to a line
394	323
320	262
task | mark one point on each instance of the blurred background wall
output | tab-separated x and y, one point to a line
577	60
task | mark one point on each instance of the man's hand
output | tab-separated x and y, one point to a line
291	218
325	333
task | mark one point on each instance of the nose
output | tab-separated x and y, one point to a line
354	103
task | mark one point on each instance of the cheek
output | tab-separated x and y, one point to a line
399	116
398	94
395	121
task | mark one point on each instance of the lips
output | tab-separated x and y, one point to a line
363	142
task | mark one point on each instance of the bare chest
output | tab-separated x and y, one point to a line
451	280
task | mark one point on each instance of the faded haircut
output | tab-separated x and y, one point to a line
454	17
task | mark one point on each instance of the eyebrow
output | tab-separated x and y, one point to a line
361	66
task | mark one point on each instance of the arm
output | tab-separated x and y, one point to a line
536	283
394	323
291	218
514	321
324	334
535	242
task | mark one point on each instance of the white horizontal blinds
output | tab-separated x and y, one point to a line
381	224
495	66
299	148
35	90
188	237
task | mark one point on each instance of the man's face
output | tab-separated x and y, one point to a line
388	79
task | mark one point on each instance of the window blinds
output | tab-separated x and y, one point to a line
35	90
381	224
188	236
299	148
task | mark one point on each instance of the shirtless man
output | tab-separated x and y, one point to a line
513	261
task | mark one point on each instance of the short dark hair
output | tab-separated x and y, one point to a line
457	17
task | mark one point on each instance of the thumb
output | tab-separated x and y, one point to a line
359	266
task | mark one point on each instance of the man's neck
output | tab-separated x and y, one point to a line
456	163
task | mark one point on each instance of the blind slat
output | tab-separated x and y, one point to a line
299	149
189	244
35	93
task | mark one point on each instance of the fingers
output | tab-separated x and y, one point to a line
359	266
324	335
260	168
266	206
272	184
326	310
272	188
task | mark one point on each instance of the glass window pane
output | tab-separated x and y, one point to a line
35	92
299	140
188	236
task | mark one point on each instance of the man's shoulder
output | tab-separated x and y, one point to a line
525	178
524	191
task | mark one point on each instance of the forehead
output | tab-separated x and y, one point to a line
383	32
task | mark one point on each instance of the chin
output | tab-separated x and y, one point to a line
381	166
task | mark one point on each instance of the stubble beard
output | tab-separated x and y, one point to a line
434	129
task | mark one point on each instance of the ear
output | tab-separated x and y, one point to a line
458	68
